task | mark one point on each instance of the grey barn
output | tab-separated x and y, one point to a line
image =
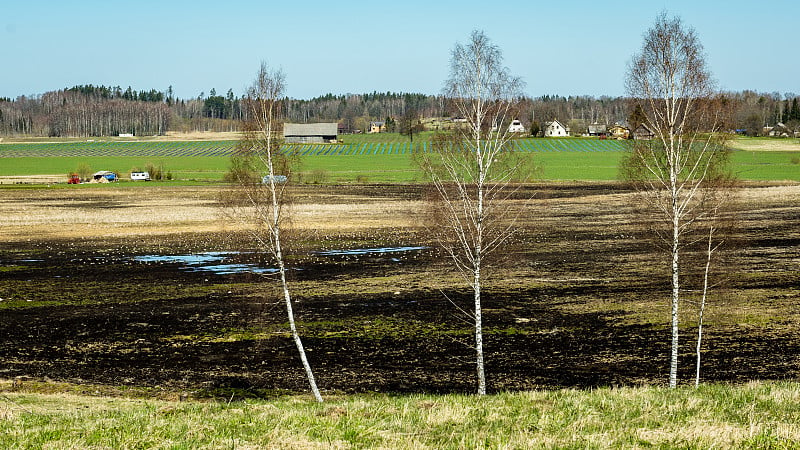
310	133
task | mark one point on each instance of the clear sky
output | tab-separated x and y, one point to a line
557	47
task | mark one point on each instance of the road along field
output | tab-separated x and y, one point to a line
375	159
152	286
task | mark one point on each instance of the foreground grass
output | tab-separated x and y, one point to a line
757	415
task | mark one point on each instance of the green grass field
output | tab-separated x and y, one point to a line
361	158
757	415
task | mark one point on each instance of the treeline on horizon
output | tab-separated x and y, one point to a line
90	111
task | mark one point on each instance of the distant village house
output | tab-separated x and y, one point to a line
779	130
377	127
310	133
555	129
619	132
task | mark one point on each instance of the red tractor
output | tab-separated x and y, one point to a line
74	179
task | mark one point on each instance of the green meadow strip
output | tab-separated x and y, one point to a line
755	415
566	158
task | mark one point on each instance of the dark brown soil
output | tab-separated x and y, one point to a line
582	302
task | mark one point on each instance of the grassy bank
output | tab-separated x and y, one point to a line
756	415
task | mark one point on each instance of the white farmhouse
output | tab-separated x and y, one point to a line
516	127
555	129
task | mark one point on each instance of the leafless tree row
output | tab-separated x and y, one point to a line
66	113
83	114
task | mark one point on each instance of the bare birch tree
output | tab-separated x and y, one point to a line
677	170
472	168
713	235
261	173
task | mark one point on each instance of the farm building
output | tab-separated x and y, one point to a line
643	132
779	130
555	129
310	133
516	127
597	129
345	128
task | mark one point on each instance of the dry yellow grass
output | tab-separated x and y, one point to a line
199	136
37	179
767	145
112	211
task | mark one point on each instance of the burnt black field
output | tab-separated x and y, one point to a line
581	300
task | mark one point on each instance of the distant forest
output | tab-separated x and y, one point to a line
87	110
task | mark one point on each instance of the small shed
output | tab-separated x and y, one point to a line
310	133
642	132
344	128
598	129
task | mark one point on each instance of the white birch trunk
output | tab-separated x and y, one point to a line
477	282
701	313
285	286
673	361
276	237
479	334
296	336
266	91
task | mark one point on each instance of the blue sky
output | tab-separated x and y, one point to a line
565	48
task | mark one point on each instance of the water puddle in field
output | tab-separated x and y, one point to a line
229	269
205	262
190	260
369	251
228	262
233	262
